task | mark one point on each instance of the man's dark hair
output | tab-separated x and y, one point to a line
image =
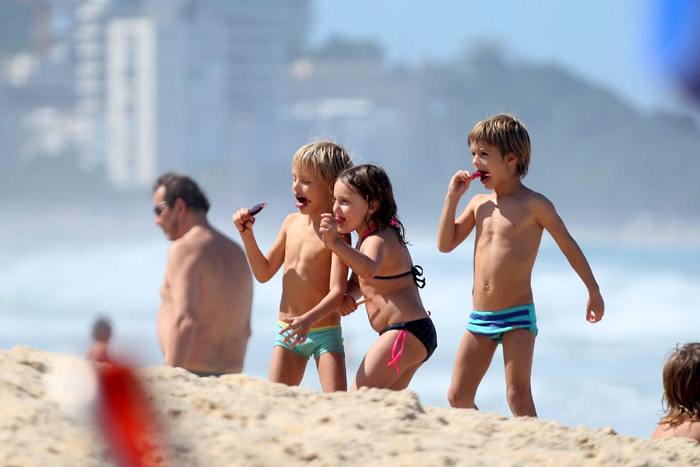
182	186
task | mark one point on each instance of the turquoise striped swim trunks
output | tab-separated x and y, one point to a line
493	324
319	341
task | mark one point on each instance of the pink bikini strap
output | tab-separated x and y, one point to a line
394	354
373	228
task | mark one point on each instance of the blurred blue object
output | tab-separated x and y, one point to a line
677	40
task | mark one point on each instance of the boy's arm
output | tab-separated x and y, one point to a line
264	267
450	232
352	295
353	287
546	215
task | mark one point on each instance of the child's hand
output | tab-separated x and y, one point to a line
595	308
328	229
300	330
459	183
243	220
348	306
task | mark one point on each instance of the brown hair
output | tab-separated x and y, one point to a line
182	186
324	158
508	134
372	182
681	378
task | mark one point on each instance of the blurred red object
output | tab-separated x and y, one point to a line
126	419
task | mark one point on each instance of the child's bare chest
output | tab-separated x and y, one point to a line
304	249
503	219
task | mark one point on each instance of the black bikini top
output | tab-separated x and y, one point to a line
416	271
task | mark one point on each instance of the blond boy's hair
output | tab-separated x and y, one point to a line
508	134
324	158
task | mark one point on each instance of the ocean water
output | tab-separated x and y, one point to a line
599	375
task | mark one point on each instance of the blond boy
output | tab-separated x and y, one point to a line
509	224
314	280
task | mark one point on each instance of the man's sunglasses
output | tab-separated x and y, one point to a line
158	208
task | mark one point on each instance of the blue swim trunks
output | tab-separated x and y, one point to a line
494	324
319	341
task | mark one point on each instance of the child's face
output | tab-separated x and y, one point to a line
488	158
312	195
349	208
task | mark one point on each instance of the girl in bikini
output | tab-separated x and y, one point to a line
384	273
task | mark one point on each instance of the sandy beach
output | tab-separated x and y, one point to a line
48	419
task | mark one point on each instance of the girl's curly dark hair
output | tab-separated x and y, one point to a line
374	185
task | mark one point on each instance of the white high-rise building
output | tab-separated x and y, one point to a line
131	102
165	85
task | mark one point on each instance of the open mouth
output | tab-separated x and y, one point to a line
339	219
480	174
301	201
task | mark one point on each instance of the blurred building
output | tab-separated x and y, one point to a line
37	102
5	133
180	84
347	90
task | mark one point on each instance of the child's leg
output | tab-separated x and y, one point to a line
473	359
374	371
331	371
405	377
287	367
518	347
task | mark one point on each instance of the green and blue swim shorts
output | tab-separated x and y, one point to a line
319	341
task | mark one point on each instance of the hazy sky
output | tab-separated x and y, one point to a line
607	42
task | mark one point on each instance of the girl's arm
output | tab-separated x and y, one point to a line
364	263
546	215
263	267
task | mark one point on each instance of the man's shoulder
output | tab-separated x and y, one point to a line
195	239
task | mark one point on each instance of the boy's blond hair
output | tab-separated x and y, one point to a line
324	158
508	134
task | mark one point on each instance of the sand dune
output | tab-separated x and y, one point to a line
47	420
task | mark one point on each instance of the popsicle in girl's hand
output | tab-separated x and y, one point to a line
478	174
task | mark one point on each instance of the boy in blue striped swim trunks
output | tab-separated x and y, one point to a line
508	223
493	324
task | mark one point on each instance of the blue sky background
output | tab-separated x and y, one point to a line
607	43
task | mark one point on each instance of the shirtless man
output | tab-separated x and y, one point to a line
207	293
